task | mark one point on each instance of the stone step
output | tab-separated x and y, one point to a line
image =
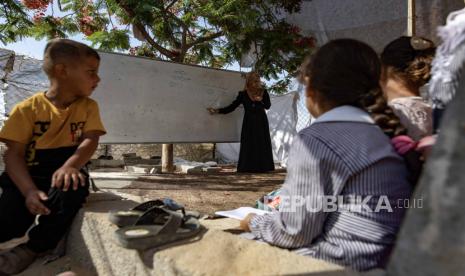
145	169
102	163
92	245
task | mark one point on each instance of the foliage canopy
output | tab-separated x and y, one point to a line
212	33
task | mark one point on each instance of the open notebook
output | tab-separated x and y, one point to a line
241	212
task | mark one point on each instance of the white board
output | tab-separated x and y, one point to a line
148	101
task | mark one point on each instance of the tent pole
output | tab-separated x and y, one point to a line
411	31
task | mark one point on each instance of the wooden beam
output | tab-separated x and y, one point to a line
411	20
167	165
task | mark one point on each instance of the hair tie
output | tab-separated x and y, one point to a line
420	44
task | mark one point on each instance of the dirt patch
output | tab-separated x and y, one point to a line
207	193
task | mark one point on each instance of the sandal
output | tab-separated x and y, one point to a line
158	226
130	217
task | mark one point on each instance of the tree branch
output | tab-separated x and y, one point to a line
7	14
169	32
204	39
59	5
109	16
153	43
144	32
183	44
170	5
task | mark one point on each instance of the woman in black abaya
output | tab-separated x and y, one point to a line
255	153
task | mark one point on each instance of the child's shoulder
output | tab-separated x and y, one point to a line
311	136
31	102
86	102
334	134
314	131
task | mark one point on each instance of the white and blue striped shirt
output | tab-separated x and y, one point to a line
343	153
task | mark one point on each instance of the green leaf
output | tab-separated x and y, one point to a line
112	40
184	30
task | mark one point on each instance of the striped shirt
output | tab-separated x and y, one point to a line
343	153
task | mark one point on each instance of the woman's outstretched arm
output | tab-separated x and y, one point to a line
230	108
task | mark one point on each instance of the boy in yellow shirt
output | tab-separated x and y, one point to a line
49	137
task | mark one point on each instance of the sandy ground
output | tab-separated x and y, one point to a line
205	193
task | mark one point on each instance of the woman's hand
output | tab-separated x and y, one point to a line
212	110
258	98
245	222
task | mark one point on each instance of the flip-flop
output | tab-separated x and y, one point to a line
158	226
129	217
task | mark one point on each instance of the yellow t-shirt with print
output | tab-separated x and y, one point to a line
40	125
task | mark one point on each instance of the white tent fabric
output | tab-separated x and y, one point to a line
5	57
376	22
20	81
282	117
5	63
26	79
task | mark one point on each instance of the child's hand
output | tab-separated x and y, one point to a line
34	203
65	175
425	145
403	144
245	222
212	110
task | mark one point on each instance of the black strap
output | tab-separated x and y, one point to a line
171	220
85	171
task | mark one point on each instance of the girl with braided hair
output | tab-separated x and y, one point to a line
406	63
344	154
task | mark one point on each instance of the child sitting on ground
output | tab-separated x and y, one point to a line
406	65
49	137
345	155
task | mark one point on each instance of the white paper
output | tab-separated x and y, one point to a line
241	213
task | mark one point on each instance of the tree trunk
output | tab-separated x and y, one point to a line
167	165
167	158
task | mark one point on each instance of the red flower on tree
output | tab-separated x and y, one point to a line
36	4
294	29
305	42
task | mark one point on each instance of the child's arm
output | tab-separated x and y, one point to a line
69	172
301	216
17	170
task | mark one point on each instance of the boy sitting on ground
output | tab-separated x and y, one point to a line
49	137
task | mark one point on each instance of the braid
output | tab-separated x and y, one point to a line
357	69
376	105
409	59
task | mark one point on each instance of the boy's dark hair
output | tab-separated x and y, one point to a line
347	72
63	50
409	59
